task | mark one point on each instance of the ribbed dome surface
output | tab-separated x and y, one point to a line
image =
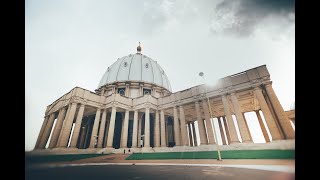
136	67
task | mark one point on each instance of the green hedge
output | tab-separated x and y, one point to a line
232	154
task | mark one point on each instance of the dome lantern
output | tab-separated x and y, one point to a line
139	49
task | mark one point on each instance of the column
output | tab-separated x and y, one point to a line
77	127
176	127
111	127
263	128
124	136
157	130
195	141
282	117
63	125
139	131
65	133
208	122
184	134
202	130
232	128
223	138
46	132
106	130
163	131
274	131
57	128
135	129
95	127
45	121
147	128
190	134
226	128
102	128
244	131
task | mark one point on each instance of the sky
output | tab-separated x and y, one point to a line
72	43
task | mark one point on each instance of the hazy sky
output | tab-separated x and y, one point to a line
72	42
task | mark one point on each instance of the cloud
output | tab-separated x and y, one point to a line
241	17
156	14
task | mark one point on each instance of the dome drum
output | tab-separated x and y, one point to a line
132	89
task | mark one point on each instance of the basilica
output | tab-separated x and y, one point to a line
134	107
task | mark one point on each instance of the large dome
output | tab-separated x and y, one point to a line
136	67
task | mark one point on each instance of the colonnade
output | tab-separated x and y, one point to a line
184	133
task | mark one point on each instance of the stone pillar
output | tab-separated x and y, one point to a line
190	135
139	131
77	127
67	125
95	127
57	128
63	124
208	122
274	131
202	130
111	127
157	130
135	129
232	128
184	133
244	131
147	128
106	131
195	141
44	124
46	132
124	137
176	127
227	129
263	128
281	115
223	138
163	131
102	128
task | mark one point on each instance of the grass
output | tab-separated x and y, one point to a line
231	154
58	158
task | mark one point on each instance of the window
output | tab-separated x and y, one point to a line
146	91
121	91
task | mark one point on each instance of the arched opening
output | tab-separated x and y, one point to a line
171	142
117	131
151	129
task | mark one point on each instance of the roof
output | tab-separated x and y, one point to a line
136	67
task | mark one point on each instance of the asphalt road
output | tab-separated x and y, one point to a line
139	172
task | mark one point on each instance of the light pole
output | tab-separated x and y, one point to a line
211	116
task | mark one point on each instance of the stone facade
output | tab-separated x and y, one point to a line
162	119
